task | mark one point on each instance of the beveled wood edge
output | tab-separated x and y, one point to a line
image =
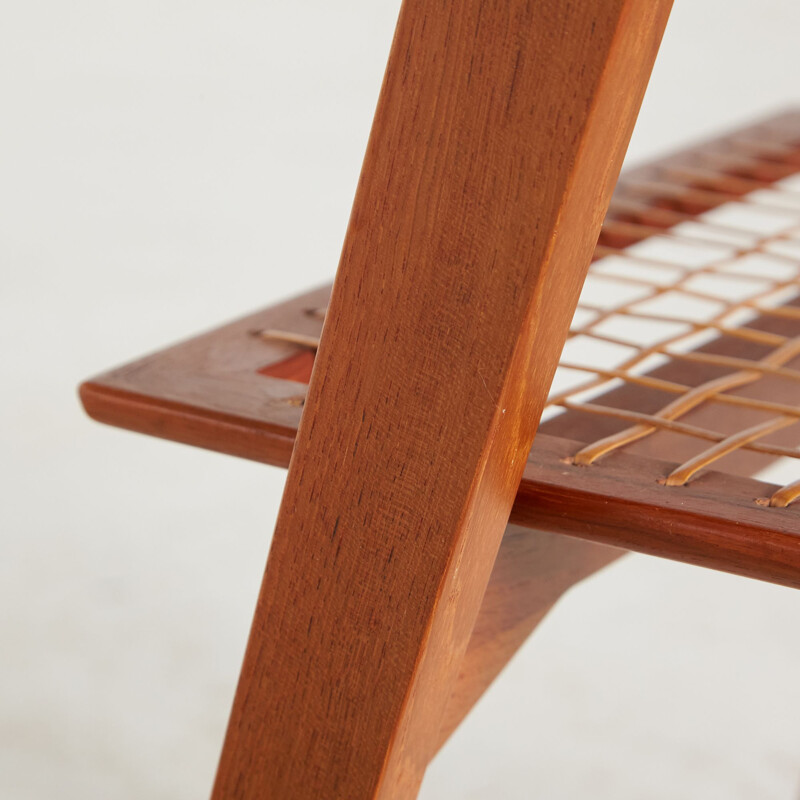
184	423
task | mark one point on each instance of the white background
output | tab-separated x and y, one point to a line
167	165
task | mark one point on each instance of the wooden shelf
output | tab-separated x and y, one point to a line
232	391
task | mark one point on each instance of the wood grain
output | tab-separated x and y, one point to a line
497	140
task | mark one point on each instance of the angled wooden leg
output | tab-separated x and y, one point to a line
498	136
532	571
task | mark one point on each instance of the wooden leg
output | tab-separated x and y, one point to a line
497	140
532	572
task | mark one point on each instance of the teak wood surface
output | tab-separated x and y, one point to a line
498	136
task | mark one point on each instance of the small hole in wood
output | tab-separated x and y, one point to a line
296	368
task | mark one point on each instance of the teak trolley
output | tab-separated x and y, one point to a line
423	534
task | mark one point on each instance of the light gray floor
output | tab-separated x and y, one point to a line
167	165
